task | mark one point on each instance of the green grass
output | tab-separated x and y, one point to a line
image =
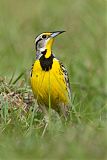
82	49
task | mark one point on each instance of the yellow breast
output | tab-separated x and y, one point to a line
49	85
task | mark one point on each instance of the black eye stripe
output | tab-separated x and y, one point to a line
44	36
38	41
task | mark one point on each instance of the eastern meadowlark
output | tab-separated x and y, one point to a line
49	78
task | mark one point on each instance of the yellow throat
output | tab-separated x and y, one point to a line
49	48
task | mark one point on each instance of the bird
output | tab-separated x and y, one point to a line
49	78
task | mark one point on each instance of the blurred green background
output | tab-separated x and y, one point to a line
82	49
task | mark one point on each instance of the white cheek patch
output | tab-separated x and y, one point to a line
41	43
42	49
44	45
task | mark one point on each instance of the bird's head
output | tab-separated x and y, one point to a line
45	40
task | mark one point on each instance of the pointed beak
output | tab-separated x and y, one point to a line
54	34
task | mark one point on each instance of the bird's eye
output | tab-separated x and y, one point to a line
44	36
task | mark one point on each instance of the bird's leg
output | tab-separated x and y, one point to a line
45	112
43	108
46	118
64	111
